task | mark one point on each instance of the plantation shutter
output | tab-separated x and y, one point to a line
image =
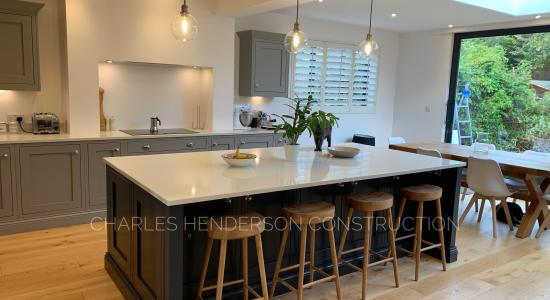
336	77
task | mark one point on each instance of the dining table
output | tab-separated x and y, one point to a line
532	169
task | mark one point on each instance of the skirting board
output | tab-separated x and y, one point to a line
50	222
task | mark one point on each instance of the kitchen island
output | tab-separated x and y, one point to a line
158	205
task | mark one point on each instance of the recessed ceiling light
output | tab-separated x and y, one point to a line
195	67
393	15
538	16
451	26
109	61
320	0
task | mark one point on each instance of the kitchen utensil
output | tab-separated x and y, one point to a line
344	152
246	117
44	123
230	159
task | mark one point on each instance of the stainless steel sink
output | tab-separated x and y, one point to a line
159	132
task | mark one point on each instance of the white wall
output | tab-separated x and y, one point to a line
52	46
136	92
139	31
378	124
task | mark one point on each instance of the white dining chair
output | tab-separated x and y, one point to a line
486	180
428	152
489	147
545	224
475	146
396	140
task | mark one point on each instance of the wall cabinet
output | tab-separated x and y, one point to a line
97	191
6	195
50	178
263	64
19	64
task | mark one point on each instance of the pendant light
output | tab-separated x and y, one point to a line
369	47
185	27
296	39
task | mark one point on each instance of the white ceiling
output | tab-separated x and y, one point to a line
412	15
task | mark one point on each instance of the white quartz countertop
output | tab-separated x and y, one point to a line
185	178
113	135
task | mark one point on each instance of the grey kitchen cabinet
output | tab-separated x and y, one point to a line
279	140
174	145
254	141
50	178
97	190
222	143
263	64
6	195
19	63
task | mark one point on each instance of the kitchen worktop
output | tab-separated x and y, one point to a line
77	137
186	178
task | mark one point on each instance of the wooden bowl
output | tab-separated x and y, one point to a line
344	152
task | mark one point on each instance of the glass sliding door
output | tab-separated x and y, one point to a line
500	89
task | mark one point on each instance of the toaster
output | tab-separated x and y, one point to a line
45	123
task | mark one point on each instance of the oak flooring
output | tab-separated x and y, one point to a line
67	263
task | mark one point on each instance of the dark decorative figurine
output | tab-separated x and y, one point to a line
320	136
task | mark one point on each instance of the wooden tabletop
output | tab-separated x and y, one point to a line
510	162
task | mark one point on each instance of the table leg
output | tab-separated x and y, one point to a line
537	209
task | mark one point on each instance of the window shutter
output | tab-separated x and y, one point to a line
308	73
339	69
364	83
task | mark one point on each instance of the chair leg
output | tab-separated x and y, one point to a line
333	254
280	255
366	252
393	252
543	226
477	205
441	235
221	270
480	214
311	253
507	213
344	234
418	238
204	268
399	215
261	266
463	196
245	267
301	269
494	211
468	207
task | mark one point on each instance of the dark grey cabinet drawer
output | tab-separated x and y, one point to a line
154	146
254	141
50	178
222	143
97	190
6	195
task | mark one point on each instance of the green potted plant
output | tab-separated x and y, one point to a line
294	125
320	126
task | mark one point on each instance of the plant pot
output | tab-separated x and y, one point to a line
291	152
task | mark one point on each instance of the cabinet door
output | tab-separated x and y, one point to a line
279	140
222	143
17	55
97	190
158	146
50	178
119	221
270	68
6	196
254	141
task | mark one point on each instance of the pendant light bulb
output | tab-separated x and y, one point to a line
185	27
296	39
368	47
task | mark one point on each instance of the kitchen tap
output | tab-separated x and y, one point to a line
155	123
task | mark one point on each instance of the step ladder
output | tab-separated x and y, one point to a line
463	120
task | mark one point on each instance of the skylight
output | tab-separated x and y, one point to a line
513	7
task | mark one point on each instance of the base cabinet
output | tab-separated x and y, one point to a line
97	191
51	179
6	195
254	141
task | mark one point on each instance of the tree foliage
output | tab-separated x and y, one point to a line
503	103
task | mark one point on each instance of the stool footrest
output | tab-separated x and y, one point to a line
322	280
230	283
306	285
397	239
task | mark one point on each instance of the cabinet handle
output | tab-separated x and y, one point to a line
228	201
280	141
355	183
257	85
215	145
243	142
248	198
5	155
76	152
189	145
116	150
341	185
147	147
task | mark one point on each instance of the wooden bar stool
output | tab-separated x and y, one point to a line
369	203
420	194
234	228
307	215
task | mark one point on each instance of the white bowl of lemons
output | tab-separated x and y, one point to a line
238	159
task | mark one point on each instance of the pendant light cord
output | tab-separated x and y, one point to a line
297	10
370	17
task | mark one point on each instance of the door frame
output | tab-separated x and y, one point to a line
458	38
